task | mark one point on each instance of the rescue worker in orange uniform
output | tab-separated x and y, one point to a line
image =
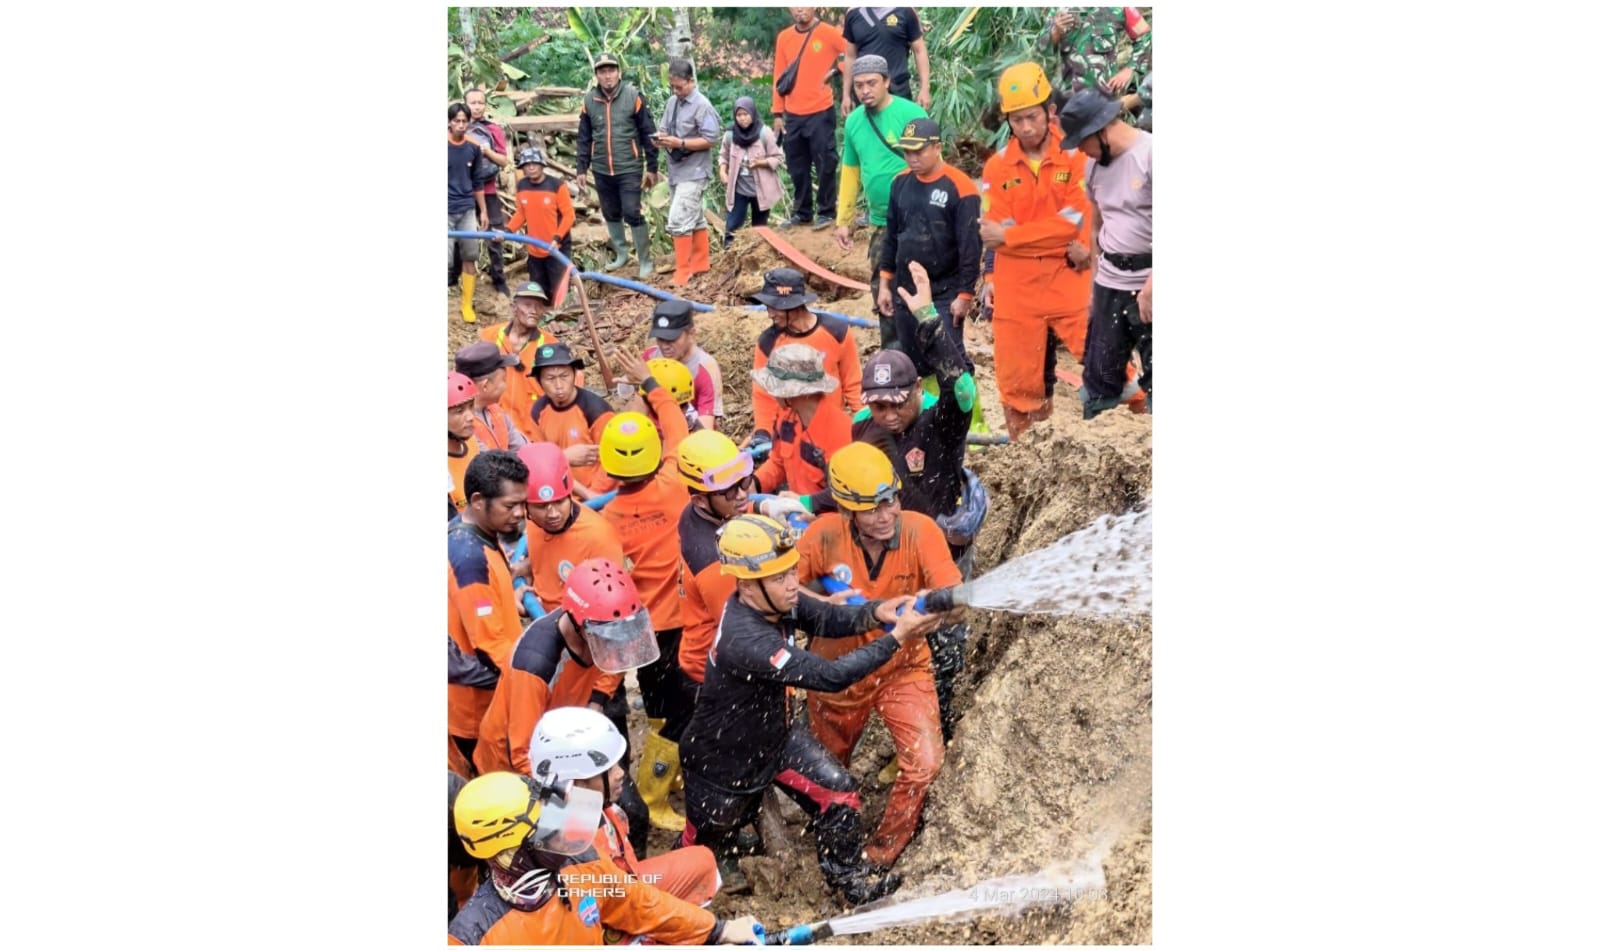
874	548
650	498
461	447
583	747
483	606
521	336
544	211
491	424
809	426
562	532
745	737
1036	219
573	656
720	477
567	414
784	293
539	841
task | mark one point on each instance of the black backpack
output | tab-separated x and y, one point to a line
478	134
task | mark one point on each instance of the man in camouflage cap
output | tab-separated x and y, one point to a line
1087	40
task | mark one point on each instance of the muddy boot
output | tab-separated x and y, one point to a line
726	851
641	246
638	813
619	246
1094	405
838	832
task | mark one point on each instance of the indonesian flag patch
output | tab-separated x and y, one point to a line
780	658
485	608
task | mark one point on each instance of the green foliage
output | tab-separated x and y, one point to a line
751	29
967	68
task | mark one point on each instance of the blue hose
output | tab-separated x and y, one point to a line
833	585
853	321
633	285
530	603
600	501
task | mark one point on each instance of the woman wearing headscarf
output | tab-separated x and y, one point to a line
750	157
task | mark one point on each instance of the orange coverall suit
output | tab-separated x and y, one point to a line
521	389
552	556
800	452
458	474
542	673
689	874
841	359
902	690
646	519
483	618
579	424
1035	290
705	591
488	921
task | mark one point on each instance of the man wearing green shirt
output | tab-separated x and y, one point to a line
870	159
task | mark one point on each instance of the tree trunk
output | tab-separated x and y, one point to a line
680	39
469	45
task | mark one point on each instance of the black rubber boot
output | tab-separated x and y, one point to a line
839	856
632	805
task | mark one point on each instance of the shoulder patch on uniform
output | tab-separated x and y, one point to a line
780	659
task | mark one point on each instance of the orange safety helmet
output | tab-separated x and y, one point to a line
1022	86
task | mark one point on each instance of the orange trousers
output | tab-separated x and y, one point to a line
687	873
909	707
1020	347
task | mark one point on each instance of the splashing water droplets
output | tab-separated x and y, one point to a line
1103	568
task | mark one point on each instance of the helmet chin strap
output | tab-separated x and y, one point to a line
762	583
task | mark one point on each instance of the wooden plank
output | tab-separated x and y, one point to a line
543	123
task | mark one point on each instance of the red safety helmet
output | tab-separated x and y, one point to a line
602	599
549	475
462	388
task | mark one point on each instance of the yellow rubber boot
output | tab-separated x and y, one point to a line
469	283
656	725
658	763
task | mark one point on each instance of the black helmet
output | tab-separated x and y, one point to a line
530	156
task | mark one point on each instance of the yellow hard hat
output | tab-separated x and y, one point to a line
630	446
675	376
710	462
494	813
1022	86
861	477
755	546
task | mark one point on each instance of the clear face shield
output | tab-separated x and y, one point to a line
568	819
617	646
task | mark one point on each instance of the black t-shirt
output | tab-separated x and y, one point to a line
465	161
889	36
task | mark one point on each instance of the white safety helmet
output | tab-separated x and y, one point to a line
574	742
